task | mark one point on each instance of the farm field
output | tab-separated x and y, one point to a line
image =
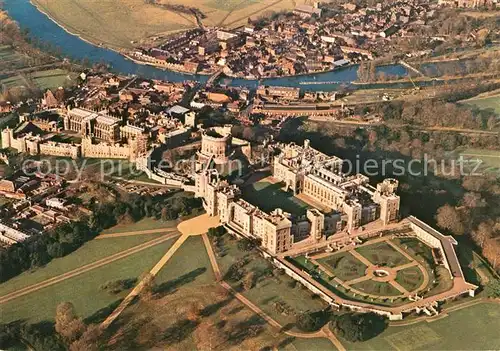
234	13
268	196
109	22
84	291
452	332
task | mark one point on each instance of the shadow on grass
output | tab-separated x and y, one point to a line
172	285
100	315
249	328
213	308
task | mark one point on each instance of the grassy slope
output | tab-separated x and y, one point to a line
473	327
84	290
190	263
143	224
269	290
90	252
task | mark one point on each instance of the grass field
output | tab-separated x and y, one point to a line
376	288
269	290
474	327
185	267
10	60
268	196
110	21
484	103
144	224
43	80
382	254
344	265
478	160
84	290
88	253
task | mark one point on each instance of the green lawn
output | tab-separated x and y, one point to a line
268	196
410	278
91	251
471	328
48	79
9	59
376	288
84	290
491	102
486	160
317	344
189	264
144	224
382	254
344	265
270	291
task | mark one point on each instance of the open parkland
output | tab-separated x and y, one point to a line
190	272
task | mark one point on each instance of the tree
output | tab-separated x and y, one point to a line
359	326
247	244
249	281
149	286
68	325
217	232
473	200
311	321
164	214
492	289
89	341
483	232
449	218
491	251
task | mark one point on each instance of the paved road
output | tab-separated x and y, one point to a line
85	268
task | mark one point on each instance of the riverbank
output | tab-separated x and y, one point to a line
67	30
117	25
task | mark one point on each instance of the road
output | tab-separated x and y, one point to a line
86	268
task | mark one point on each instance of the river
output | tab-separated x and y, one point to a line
39	25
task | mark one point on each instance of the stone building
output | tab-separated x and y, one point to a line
91	123
274	230
307	171
216	143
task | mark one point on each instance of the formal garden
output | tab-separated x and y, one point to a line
382	271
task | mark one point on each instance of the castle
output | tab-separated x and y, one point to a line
88	124
348	202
